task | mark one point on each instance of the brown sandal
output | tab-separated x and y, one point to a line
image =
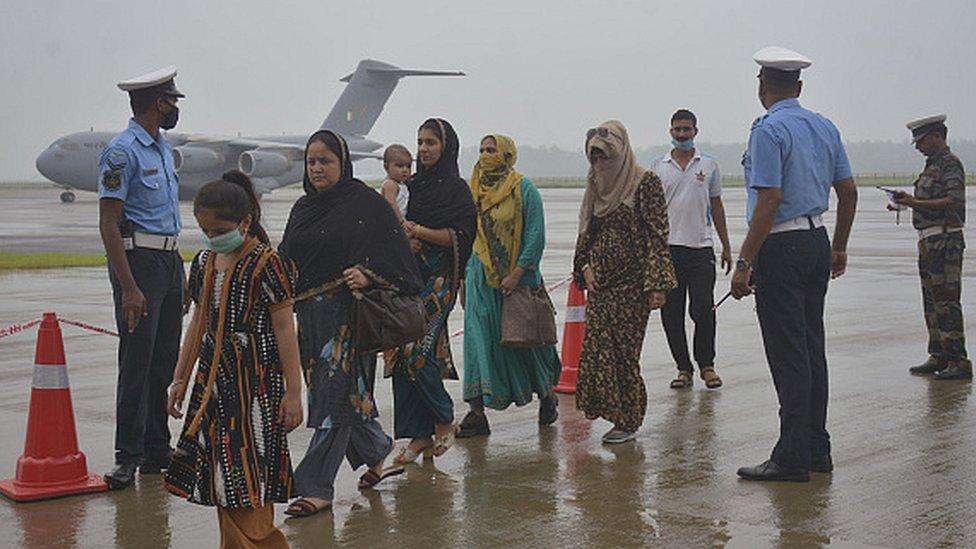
370	478
302	507
683	381
711	381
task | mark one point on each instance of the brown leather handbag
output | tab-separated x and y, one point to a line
383	319
528	318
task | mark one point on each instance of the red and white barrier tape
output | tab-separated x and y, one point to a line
89	327
17	328
548	289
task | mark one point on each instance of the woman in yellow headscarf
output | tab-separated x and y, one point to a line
507	251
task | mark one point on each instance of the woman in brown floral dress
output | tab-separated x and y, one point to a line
622	259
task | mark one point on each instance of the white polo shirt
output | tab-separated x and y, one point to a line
688	194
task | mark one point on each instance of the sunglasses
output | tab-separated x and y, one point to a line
601	131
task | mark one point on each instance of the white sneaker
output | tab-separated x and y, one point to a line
618	436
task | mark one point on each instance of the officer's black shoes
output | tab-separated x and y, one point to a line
956	371
473	424
122	476
768	470
548	412
822	465
154	465
930	366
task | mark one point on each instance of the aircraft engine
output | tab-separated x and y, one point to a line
263	163
196	159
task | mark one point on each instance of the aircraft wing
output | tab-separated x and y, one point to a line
241	144
363	155
278	146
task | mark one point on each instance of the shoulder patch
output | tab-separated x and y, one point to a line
116	158
112	179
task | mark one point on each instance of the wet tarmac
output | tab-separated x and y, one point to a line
904	447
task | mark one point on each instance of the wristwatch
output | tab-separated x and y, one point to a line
742	265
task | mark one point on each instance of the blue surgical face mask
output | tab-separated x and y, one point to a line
685	145
225	243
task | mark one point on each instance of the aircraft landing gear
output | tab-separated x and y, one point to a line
67	197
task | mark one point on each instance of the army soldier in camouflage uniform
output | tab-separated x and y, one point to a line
939	213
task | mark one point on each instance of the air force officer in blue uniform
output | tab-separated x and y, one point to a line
139	221
793	159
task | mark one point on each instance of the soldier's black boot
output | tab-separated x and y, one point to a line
121	476
930	366
156	464
960	369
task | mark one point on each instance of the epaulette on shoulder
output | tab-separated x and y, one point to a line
123	139
951	157
758	121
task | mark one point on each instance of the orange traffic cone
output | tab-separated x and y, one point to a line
51	465
573	329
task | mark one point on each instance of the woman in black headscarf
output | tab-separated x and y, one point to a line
440	221
341	236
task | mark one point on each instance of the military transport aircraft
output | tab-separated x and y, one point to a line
271	162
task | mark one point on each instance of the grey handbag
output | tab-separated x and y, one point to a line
528	318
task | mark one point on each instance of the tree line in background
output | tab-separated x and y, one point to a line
867	158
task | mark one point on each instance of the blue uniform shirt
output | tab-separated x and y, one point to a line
797	151
139	171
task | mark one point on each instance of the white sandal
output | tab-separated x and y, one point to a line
443	443
406	455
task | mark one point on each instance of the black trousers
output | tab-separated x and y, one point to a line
147	356
792	271
695	268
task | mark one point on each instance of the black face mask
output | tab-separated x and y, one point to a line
170	119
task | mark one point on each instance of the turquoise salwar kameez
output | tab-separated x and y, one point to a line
499	375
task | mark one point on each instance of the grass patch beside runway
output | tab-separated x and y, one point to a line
55	260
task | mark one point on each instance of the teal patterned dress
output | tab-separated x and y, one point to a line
499	375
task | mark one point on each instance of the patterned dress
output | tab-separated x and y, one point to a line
233	451
628	253
339	378
499	375
419	368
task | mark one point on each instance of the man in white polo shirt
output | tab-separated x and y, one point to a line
693	190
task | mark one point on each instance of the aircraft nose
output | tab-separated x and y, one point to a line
45	163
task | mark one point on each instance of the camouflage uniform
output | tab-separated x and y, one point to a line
940	257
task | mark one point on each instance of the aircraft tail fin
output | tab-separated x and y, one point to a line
366	93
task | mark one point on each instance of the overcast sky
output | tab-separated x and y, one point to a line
540	71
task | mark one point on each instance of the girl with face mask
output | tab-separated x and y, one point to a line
233	451
507	250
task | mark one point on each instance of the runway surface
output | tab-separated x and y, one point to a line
904	447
